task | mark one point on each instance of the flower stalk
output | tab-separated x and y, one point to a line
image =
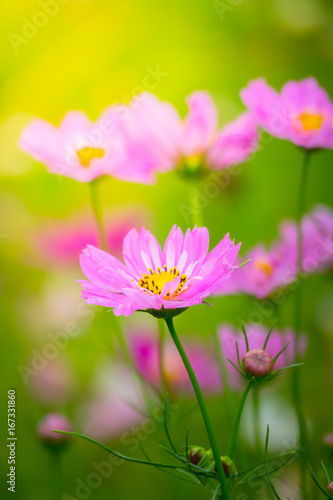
234	434
256	417
55	473
203	408
96	207
298	321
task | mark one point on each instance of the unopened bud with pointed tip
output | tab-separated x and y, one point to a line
258	363
330	487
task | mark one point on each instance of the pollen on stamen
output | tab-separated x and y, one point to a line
156	280
86	155
311	121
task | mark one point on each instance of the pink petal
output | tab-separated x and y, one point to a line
200	124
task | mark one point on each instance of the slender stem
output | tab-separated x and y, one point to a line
195	209
221	364
94	199
298	322
161	360
55	474
203	409
256	417
238	419
301	207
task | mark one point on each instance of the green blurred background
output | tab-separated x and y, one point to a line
87	55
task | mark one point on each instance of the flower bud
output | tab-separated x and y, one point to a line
53	422
258	363
195	455
330	487
228	465
328	440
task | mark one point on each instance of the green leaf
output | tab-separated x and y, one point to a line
269	334
186	447
246	339
248	472
115	453
214	496
326	473
235	367
243	263
312	474
282	350
266	467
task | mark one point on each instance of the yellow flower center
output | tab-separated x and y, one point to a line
311	122
87	154
265	266
156	280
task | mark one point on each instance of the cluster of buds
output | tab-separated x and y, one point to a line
257	364
205	459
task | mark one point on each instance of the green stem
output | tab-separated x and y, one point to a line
238	419
220	361
203	409
55	474
298	323
256	417
195	210
161	360
94	200
301	207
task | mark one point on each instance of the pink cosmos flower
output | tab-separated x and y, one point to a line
167	142
256	338
317	239
302	113
275	267
181	275
145	353
269	269
84	150
60	242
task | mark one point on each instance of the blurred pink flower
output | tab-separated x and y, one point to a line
179	276
317	239
145	353
275	267
116	404
167	141
54	383
53	422
117	408
302	113
84	150
269	269
61	242
256	338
